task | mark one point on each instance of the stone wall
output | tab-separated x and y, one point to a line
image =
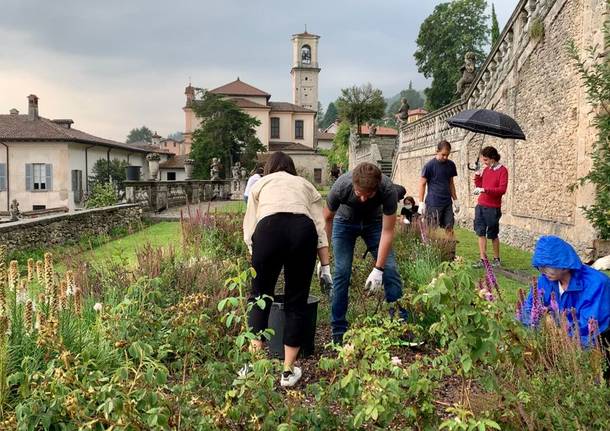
56	230
535	82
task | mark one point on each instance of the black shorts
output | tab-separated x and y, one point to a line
487	221
440	216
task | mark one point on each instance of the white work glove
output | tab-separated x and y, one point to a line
325	277
374	283
477	191
406	221
422	208
456	207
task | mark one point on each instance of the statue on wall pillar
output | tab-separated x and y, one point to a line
468	70
403	112
14	210
372	131
215	169
235	170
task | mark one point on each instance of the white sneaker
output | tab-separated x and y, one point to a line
290	378
243	371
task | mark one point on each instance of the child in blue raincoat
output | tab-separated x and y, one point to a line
574	284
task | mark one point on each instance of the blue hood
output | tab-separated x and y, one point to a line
554	252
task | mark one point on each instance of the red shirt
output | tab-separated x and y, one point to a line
494	181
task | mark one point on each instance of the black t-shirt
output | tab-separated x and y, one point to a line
438	175
342	200
409	213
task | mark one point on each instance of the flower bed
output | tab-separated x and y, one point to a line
158	347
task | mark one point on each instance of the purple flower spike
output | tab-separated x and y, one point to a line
519	305
538	309
554	304
593	327
490	277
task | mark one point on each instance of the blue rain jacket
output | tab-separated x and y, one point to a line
588	292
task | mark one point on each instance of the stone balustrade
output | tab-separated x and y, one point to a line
514	39
430	129
160	195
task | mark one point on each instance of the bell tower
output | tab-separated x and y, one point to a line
305	70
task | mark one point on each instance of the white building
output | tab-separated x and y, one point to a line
45	164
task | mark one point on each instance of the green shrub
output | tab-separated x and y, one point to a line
102	195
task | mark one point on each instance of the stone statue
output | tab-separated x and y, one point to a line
14	210
215	169
372	131
403	112
468	74
235	170
243	173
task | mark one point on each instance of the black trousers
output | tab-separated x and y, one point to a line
290	241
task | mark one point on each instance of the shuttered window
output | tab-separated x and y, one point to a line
38	177
298	129
77	185
2	177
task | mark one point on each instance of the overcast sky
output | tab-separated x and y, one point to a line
114	65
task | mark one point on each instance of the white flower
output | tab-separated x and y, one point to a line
348	349
98	307
396	360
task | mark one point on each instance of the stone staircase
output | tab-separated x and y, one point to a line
386	167
386	149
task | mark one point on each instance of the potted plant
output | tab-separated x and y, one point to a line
153	165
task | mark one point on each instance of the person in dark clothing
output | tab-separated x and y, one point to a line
409	210
441	201
362	203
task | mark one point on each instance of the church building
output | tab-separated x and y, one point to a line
284	126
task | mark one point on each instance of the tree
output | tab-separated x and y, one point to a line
444	38
226	132
320	114
361	104
140	134
495	27
176	136
113	171
330	116
338	154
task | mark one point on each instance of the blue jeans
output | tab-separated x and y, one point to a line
344	240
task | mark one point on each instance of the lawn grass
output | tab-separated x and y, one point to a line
231	207
124	249
512	259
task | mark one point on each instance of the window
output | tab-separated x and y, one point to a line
77	185
317	175
2	177
298	129
275	128
306	54
38	177
171	176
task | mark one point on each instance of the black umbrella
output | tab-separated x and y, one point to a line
487	122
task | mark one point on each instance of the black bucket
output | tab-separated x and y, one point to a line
276	322
133	173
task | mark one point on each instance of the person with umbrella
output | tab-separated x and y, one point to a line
490	185
441	201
